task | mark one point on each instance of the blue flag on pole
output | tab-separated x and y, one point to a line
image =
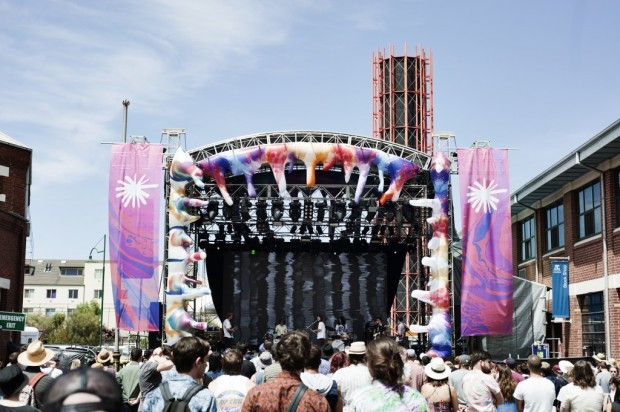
559	284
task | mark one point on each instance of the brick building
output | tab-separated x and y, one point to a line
15	180
572	210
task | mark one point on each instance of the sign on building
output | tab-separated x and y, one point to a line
12	321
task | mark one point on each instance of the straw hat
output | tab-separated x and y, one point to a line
437	369
104	356
357	348
35	355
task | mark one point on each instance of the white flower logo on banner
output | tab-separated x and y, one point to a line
134	191
482	196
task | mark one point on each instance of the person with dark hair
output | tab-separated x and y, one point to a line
582	394
215	368
340	326
321	331
480	389
12	381
287	388
387	392
189	356
228	331
150	376
507	386
441	397
84	389
456	378
231	388
281	328
129	380
612	401
247	368
324	385
535	393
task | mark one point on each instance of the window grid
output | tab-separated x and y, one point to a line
593	323
98	274
589	219
97	294
71	271
528	239
73	293
51	294
555	226
29	293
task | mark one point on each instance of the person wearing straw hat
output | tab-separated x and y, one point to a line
437	392
35	356
354	376
12	381
104	357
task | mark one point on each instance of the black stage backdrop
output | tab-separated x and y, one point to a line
262	287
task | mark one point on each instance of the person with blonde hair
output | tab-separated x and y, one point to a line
507	385
75	363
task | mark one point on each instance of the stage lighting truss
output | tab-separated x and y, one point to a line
294	210
212	210
337	212
261	210
277	210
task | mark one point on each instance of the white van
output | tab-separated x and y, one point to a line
29	334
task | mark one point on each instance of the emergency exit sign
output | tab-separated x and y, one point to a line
12	321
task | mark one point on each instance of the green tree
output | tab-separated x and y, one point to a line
41	322
83	324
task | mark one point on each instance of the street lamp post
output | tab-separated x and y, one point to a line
90	257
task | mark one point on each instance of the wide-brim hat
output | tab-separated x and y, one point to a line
565	366
104	356
437	369
12	380
36	355
265	359
599	357
356	348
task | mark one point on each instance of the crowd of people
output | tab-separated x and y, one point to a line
293	373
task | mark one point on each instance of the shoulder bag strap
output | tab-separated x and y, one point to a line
297	398
165	392
35	379
191	391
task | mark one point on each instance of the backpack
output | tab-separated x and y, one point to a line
172	404
27	393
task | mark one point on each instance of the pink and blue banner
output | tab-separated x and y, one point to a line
559	291
134	207
486	291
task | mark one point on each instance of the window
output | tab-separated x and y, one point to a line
71	271
98	274
528	239
48	267
50	312
555	226
29	271
51	293
70	311
73	293
593	323
618	198
29	293
28	310
97	294
589	210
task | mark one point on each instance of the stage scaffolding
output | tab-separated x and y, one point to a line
323	217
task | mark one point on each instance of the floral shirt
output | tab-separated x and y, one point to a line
378	397
277	394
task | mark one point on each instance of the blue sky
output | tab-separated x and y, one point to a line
539	77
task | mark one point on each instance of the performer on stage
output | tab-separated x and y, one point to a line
281	328
320	331
340	326
229	331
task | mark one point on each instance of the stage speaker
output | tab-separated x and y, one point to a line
154	340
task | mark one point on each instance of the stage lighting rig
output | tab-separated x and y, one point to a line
320	210
294	210
261	210
244	208
372	209
308	210
338	211
277	209
408	213
390	211
356	211
212	209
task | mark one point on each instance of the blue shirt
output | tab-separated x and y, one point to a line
203	401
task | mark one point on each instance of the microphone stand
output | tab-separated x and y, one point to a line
309	327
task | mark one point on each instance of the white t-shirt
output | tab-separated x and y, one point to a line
321	333
537	394
351	378
575	398
229	391
227	325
